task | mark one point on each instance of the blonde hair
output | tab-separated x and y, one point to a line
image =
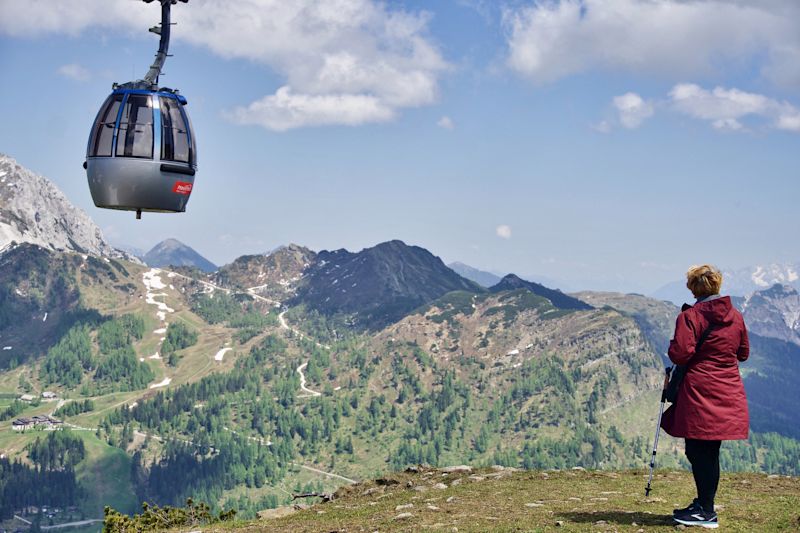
703	280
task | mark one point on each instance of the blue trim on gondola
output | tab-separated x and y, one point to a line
166	94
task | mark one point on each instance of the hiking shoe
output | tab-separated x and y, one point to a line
698	517
688	509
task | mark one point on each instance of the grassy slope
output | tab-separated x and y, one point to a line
537	501
106	471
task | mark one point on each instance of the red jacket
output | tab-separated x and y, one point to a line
711	404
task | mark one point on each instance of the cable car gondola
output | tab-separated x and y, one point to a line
141	154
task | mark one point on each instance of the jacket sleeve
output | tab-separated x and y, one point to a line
683	344
744	345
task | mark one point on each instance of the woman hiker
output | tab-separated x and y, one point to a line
711	405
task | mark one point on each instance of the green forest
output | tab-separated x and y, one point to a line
50	479
106	354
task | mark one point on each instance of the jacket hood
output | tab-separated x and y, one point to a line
719	311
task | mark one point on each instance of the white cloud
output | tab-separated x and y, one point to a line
446	123
285	110
724	108
632	110
549	40
503	231
75	72
342	61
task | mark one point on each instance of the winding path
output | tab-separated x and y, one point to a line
308	393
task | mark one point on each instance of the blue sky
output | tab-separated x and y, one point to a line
607	144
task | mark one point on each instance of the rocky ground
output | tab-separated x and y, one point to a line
501	499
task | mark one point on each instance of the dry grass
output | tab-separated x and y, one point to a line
539	501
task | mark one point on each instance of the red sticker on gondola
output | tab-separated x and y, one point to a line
182	187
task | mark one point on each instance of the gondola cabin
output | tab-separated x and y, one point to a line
141	154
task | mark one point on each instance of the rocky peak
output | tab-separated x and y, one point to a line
378	285
774	312
33	210
172	252
274	274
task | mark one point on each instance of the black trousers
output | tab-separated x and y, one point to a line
704	456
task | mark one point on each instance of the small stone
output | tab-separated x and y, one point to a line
432	507
498	468
534	505
440	486
477	478
451	499
404	516
634	524
773	476
599	499
404	506
559	523
278	512
719	507
600	523
579	468
457	468
640	530
321	512
680	527
409	484
575	498
421	488
456	482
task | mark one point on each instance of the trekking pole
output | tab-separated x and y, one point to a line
668	372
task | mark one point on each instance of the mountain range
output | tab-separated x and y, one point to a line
738	282
307	369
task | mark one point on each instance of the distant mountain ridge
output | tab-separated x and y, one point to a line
172	252
559	299
738	282
378	285
481	277
33	210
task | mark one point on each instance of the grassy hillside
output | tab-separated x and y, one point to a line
505	500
